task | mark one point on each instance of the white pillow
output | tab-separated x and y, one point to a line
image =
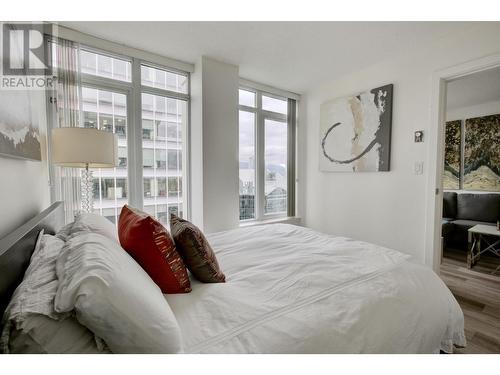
39	334
114	297
31	325
87	222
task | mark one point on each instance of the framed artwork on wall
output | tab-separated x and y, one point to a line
452	155
482	153
19	128
356	132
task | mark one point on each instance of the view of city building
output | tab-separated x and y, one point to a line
163	121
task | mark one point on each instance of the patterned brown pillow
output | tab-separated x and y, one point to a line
195	250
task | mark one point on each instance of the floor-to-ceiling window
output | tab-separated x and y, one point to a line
164	118
146	105
266	144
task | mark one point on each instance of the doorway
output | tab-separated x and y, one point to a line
466	199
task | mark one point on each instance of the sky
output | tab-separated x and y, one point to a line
275	131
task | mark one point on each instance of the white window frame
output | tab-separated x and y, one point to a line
133	91
260	116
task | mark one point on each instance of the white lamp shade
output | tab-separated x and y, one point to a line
82	147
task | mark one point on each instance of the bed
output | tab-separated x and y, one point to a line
290	289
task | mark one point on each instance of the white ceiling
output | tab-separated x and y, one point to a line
477	88
294	56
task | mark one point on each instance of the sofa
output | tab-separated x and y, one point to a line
461	211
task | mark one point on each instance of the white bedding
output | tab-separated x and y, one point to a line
293	290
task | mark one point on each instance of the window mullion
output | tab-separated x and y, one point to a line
291	156
164	92
260	161
135	138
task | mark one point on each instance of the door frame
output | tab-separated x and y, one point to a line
434	196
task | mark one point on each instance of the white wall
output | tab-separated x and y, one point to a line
24	184
214	146
386	208
478	110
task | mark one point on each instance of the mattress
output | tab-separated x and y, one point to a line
290	289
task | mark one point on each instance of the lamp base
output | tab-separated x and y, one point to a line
87	191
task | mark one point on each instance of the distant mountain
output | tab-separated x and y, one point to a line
450	181
482	178
276	168
482	140
23	144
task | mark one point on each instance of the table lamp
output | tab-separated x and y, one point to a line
84	148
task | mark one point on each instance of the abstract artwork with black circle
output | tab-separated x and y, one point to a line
356	132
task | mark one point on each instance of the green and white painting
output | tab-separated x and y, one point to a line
482	153
452	155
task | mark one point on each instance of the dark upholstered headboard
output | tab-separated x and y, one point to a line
17	247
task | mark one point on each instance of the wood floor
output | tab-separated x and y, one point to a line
478	293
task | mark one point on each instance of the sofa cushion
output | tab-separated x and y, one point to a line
467	224
478	207
450	204
447	227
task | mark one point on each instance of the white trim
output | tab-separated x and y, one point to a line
99	81
136	185
120	49
186	159
260	163
247	84
434	194
164	92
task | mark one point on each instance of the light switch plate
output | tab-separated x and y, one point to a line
419	167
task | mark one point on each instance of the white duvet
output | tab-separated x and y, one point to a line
290	289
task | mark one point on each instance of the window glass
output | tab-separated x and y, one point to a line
162	122
122	157
148	158
274	105
88	62
105	66
247	98
275	176
106	110
173	186
174	131
161	129
120	126
263	159
163	79
147	129
161	183
148	187
161	158
247	165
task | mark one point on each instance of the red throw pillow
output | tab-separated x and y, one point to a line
150	244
